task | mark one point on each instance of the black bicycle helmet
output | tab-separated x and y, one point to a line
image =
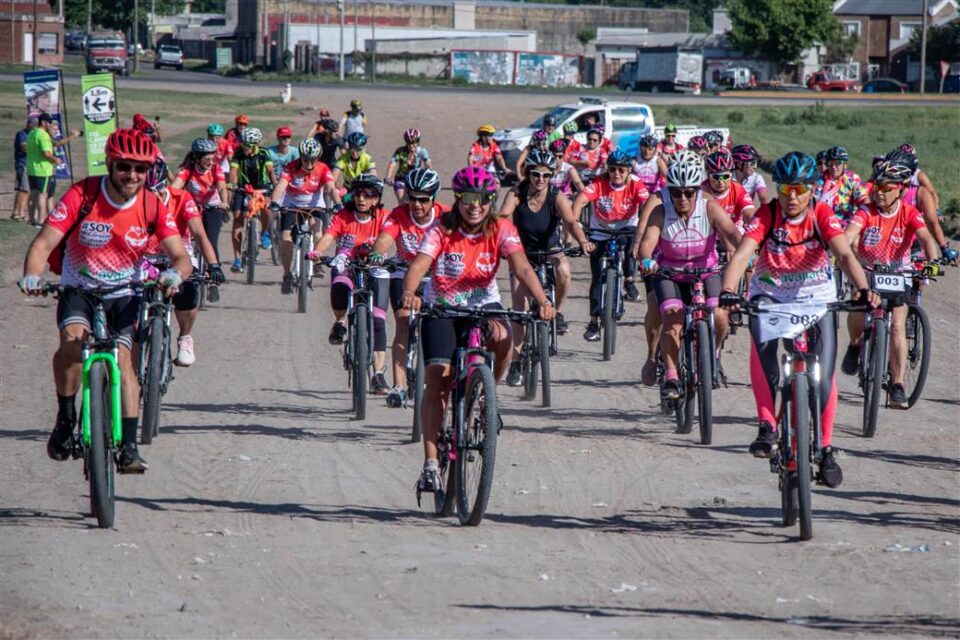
540	158
367	181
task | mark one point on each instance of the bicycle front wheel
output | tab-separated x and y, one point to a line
153	353
100	465
416	385
918	352
704	382
201	283
275	241
528	363
800	398
360	356
611	293
544	343
477	449
303	280
253	240
873	383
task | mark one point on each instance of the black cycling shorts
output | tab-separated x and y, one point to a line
439	336
188	298
396	294
682	292
76	307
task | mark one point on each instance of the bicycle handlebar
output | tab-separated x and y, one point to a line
757	306
572	252
668	272
444	311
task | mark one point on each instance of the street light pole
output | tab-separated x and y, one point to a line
923	50
89	16
373	40
136	35
153	20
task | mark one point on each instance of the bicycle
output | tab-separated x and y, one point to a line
468	435
155	368
415	365
890	281
918	341
800	447
613	245
540	338
302	268
253	204
100	431
696	366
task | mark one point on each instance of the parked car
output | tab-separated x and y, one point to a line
107	51
625	123
169	55
826	81
884	85
75	41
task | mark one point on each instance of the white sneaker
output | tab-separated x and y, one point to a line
185	356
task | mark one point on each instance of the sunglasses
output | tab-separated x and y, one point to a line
421	199
835	163
357	149
793	189
618	169
542	175
597	140
888	187
470	199
366	193
486	135
689	194
136	167
721	177
248	145
670	135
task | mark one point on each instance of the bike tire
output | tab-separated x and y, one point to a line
479	444
918	352
100	464
201	283
610	294
445	499
528	363
800	412
360	357
253	244
303	282
788	497
417	386
873	387
704	383
274	242
151	383
544	342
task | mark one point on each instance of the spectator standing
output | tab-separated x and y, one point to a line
22	186
41	163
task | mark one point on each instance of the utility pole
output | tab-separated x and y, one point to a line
373	40
89	16
316	17
153	21
356	21
340	9
33	54
923	50
136	35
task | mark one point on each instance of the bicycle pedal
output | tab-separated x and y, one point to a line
132	472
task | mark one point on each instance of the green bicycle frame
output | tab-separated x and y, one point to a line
114	369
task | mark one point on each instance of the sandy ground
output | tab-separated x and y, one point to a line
268	512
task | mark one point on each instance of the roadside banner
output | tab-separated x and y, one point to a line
42	90
99	118
547	69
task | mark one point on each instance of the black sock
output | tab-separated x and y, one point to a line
129	428
67	412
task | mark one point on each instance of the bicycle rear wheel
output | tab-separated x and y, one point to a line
415	383
788	497
253	244
153	352
611	293
873	380
360	356
918	352
477	449
303	278
704	382
100	465
800	413
544	343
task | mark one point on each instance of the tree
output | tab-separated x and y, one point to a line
840	47
586	36
114	14
780	30
943	43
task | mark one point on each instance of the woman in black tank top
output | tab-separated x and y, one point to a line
540	214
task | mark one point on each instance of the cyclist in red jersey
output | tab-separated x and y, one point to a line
184	211
485	152
590	160
727	192
617	197
882	233
406	227
463	254
796	237
106	222
234	135
669	146
354	229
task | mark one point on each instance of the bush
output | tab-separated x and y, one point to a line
770	117
735	117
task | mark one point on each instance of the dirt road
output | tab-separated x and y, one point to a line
268	512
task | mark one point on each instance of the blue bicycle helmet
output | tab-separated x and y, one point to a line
618	158
795	168
650	141
356	139
838	153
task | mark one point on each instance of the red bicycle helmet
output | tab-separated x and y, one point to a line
720	161
129	144
411	135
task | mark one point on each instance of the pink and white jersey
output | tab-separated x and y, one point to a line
648	172
690	244
886	238
465	266
754	183
561	179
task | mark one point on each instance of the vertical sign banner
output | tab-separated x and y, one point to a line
41	89
99	118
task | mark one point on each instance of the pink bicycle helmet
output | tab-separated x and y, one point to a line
720	161
411	135
539	136
744	153
558	146
474	180
696	143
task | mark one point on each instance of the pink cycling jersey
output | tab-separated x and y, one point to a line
690	244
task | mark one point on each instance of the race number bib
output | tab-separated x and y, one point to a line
888	282
788	320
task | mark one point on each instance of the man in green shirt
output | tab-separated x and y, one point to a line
41	163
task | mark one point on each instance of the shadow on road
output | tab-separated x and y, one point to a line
22	517
884	625
934	463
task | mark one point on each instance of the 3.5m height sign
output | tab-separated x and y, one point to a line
99	118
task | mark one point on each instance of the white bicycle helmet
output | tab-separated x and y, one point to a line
685	170
310	148
251	135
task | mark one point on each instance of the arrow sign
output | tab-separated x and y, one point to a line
99	105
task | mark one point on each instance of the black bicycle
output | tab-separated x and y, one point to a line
613	245
302	268
155	368
467	446
415	379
